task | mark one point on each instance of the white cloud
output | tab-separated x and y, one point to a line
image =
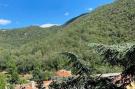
4	21
3	30
66	13
48	25
90	9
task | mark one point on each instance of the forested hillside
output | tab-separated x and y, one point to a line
32	47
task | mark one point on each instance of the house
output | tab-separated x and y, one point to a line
63	73
47	83
31	85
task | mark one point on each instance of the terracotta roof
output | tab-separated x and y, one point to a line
63	73
60	73
47	83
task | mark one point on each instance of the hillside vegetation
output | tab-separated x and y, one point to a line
33	48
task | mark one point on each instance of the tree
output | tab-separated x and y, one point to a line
14	76
124	58
78	64
2	81
83	80
38	76
118	55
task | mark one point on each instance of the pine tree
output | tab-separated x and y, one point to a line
38	77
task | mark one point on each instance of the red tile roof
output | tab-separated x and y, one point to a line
63	73
47	83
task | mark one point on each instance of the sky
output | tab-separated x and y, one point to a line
44	13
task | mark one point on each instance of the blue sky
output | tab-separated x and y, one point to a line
22	13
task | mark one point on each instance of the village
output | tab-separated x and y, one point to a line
32	84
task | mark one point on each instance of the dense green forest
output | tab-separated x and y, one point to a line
30	49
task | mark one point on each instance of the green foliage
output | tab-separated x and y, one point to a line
14	76
118	54
23	81
2	81
109	24
27	47
48	75
37	74
83	80
77	65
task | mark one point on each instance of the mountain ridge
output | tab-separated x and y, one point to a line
109	24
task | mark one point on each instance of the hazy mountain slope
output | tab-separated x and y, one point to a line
114	22
20	36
